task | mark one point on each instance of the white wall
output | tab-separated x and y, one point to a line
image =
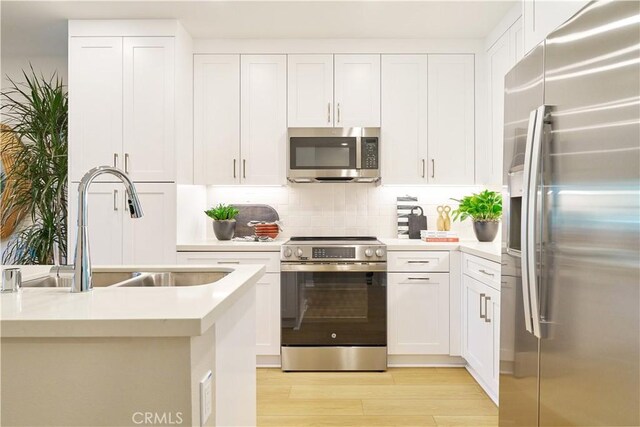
46	65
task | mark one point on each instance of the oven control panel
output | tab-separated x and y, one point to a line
333	253
330	253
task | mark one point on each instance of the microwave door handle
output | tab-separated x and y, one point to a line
358	153
524	223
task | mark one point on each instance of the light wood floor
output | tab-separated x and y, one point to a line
398	397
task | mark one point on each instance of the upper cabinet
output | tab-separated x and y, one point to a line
428	119
542	17
451	117
501	57
310	94
357	91
263	119
216	120
121	106
334	90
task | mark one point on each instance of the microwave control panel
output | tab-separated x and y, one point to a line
369	153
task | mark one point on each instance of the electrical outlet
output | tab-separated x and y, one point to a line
206	400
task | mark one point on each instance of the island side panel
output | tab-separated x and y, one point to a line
95	381
235	363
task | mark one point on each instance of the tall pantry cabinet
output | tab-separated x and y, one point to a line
122	90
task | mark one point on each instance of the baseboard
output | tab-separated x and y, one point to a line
423	361
270	361
492	395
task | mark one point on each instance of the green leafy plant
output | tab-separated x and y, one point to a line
36	113
483	206
222	212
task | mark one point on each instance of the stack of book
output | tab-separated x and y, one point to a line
439	236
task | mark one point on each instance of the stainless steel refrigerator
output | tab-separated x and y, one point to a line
570	300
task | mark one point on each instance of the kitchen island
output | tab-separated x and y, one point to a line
130	355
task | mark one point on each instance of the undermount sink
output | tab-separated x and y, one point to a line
135	279
173	278
99	279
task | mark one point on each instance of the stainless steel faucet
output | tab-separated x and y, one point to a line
80	271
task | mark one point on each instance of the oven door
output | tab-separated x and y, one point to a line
330	305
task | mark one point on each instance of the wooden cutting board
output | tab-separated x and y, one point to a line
253	213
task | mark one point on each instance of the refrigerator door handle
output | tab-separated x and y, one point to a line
531	179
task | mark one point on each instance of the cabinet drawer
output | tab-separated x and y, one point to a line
418	261
270	259
484	271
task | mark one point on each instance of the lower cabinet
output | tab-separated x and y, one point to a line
418	310
267	291
115	237
481	332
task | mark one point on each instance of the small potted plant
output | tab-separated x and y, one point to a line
485	209
224	222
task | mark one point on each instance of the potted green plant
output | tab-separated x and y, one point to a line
224	222
485	209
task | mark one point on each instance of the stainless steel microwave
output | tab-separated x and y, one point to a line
333	154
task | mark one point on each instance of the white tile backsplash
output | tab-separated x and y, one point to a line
342	209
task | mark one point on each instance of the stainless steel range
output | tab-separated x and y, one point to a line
334	304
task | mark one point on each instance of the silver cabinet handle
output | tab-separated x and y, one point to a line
228	262
244	168
234	168
418	278
328	112
115	160
423	169
126	162
486	272
338	112
433	168
418	262
483	316
115	200
486	312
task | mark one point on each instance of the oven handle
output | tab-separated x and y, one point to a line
380	267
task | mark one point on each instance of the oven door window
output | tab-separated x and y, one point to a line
334	308
322	153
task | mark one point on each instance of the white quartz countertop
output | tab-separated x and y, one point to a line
487	250
213	245
123	311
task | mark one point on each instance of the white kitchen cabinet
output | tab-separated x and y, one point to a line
267	291
501	57
541	17
116	238
310	90
105	222
357	91
481	332
404	119
148	100
152	238
121	106
418	310
263	119
451	119
216	121
95	103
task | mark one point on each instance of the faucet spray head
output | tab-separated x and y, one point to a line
135	208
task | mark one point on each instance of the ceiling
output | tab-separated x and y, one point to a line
39	27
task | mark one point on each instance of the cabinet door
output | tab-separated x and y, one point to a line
104	202
268	315
477	345
95	104
516	38
152	238
404	119
216	120
149	134
542	17
451	119
263	119
310	90
357	91
418	308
